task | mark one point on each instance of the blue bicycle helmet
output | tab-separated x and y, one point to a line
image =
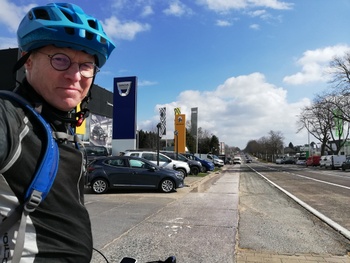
64	25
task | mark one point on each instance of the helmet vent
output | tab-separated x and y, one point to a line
92	23
41	14
68	16
69	30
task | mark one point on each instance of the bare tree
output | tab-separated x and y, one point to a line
325	120
276	143
337	106
340	71
318	122
268	147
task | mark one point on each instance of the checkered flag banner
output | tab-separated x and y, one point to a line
162	113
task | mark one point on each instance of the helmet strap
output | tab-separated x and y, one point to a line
84	111
19	64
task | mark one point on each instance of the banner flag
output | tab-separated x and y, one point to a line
162	113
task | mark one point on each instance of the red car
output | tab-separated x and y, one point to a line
313	160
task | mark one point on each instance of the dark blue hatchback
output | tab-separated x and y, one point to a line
129	172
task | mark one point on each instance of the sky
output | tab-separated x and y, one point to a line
249	66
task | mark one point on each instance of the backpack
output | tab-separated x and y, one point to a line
40	185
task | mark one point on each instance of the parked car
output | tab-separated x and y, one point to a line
206	165
289	160
286	160
313	160
128	172
216	160
301	161
346	164
228	160
279	160
195	166
95	151
164	161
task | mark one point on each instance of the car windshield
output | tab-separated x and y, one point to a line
181	157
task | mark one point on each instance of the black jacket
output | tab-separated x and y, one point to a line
59	229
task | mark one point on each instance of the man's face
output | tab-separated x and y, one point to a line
62	89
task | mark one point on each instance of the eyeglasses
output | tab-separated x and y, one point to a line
62	62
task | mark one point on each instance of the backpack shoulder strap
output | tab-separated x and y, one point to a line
42	182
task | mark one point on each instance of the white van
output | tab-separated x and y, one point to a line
323	160
164	161
334	161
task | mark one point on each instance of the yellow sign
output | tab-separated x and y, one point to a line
180	130
82	128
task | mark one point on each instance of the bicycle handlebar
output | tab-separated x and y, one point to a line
171	259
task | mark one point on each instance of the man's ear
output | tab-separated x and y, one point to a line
28	62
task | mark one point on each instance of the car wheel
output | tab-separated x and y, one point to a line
99	186
195	170
167	185
204	169
183	172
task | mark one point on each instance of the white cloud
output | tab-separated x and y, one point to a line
263	14
255	26
146	83
315	65
273	4
223	23
127	31
223	5
176	8
11	14
147	11
228	5
243	108
257	13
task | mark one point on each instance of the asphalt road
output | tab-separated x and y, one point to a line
326	191
272	222
229	212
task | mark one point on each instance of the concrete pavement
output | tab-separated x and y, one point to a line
202	184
